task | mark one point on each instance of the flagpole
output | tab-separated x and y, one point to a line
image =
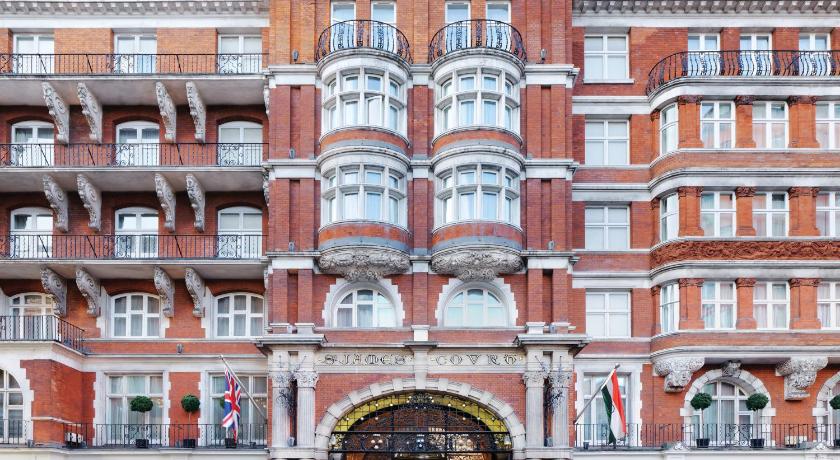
244	388
592	397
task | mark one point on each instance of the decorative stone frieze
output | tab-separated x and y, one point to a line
55	286
58	111
731	368
746	250
363	264
92	110
166	196
166	291
800	373
92	201
195	192
741	7
306	379
135	8
198	111
477	264
91	290
58	202
168	111
677	371
195	286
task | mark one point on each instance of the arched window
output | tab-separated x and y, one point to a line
32	318
239	315
32	143
728	406
138	144
31	233
136	233
11	398
364	308
135	315
240	233
475	307
240	144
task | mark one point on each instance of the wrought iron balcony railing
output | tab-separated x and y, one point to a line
131	155
132	64
126	435
41	328
420	442
15	431
477	33
45	246
709	64
363	33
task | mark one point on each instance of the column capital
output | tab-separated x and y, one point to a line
796	192
690	191
306	379
793	100
689	99
654	115
534	378
655	290
744	100
744	191
686	282
797	282
745	282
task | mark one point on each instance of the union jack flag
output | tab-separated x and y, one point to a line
232	408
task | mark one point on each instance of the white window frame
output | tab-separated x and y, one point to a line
144	316
606	315
764	122
669	219
716	212
337	97
239	153
334	189
450	191
741	415
36	151
252	427
39	62
138	151
333	4
669	130
31	320
139	238
248	314
717	123
449	3
377	309
469	322
605	226
830	123
831	211
766	213
604	55
828	304
13	427
759	61
669	308
126	397
450	97
594	419
769	303
240	242
240	61
605	141
703	61
715	302
35	242
134	62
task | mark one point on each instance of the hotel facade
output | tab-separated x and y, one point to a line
419	229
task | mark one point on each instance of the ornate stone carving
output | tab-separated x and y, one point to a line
558	381
281	381
796	192
363	264
57	288
91	290
745	282
166	291
198	111
168	111
166	196
793	100
534	378
266	98
677	371
266	187
744	191
731	368
195	286
477	264
800	373
58	111
58	202
92	111
306	379
746	250
689	99
797	282
195	192
744	100
91	199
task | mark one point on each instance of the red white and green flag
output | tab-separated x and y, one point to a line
616	421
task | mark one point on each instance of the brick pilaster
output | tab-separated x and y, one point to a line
743	122
744	211
655	237
803	131
803	211
657	311
746	316
689	122
803	303
689	198
690	315
655	141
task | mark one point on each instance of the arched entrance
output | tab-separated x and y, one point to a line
420	425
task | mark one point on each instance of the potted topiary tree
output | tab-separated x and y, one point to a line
701	402
755	403
141	404
190	404
835	404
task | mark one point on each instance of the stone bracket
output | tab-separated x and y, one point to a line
477	264
364	264
266	98
92	110
168	111
677	371
195	286
58	111
54	285
91	290
800	373
91	199
195	192
166	291
266	186
166	195
58	202
198	111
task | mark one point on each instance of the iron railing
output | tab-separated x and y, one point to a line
15	431
125	435
41	246
775	63
131	155
477	33
658	436
417	442
41	328
131	64
363	33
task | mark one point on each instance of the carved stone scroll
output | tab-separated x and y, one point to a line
58	111
198	111
92	110
166	291
168	111
58	202
91	199
195	286
91	290
195	192
166	196
55	286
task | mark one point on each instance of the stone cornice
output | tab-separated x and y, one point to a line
740	7
134	8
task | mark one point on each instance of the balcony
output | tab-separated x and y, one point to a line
14	432
28	65
121	435
745	64
363	34
477	34
41	328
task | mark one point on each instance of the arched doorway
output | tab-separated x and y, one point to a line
420	425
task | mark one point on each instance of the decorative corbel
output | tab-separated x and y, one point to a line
168	111
92	110
91	199
167	201
198	111
58	202
266	97
266	186
55	286
58	111
195	286
195	192
91	290
166	290
677	371
800	373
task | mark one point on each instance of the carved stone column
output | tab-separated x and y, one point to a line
744	211
677	371
800	373
559	381
306	381
283	400
534	384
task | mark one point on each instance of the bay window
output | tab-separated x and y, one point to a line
770	125
478	192
669	217
669	307
718	304
828	304
669	129
828	213
364	97
717	125
770	214
717	214
364	192
479	97
771	305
